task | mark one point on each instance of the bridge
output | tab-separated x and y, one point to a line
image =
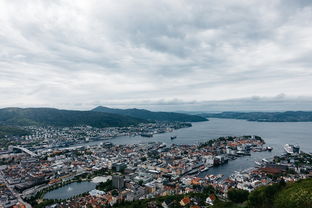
24	150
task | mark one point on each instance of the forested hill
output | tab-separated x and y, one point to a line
12	131
152	116
288	116
278	195
63	118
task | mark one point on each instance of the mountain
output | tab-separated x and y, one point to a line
151	116
288	116
63	118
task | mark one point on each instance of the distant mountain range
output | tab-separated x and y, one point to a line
99	117
288	116
63	118
152	116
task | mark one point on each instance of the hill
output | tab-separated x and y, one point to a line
295	195
288	116
278	195
152	116
12	131
63	118
290	195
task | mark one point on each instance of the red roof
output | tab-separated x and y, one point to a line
212	197
186	200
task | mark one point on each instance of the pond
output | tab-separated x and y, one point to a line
70	190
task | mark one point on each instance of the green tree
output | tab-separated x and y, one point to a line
264	196
297	195
115	193
238	195
105	186
140	182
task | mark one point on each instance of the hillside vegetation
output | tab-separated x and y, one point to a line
62	118
152	116
295	195
12	131
279	195
288	116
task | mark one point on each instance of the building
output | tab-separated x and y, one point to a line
119	167
185	201
118	182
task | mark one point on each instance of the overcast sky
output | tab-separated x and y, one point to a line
161	55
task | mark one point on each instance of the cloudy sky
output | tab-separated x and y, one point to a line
163	55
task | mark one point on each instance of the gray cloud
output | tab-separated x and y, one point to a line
77	54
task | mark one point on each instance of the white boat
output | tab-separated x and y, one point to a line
291	149
258	163
205	169
265	160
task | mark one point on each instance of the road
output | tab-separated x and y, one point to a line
17	195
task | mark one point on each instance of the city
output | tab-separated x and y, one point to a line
108	175
155	104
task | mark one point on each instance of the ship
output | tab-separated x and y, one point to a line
258	163
291	149
265	160
204	169
173	137
147	135
193	172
